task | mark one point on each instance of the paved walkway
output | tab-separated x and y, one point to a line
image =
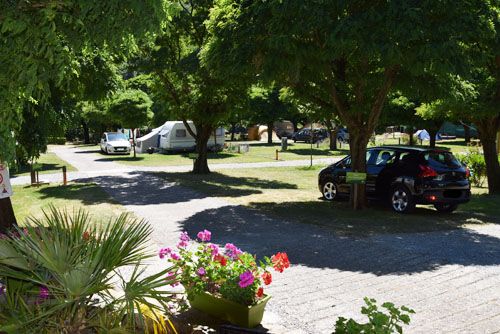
450	278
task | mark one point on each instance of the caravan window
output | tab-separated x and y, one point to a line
180	133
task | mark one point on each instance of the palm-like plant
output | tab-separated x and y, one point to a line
62	275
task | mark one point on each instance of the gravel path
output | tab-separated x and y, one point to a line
450	278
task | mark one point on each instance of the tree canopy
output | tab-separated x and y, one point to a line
345	55
42	42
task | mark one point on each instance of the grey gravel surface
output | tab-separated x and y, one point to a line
450	278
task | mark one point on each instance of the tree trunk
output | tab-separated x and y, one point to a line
233	129
432	134
466	133
270	133
333	138
410	133
203	133
358	141
7	217
133	142
488	129
86	133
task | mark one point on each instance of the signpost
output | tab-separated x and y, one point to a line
355	178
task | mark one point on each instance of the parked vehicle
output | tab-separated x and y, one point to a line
343	135
306	136
174	137
283	129
404	176
115	143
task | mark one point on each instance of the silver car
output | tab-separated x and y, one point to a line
115	143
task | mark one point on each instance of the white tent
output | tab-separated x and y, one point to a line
152	139
423	135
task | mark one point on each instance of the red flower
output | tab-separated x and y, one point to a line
267	278
280	261
260	292
221	259
86	236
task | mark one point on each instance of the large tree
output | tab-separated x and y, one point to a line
131	109
343	55
40	42
192	92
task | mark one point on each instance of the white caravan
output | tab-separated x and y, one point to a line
174	137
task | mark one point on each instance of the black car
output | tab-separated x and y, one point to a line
306	136
404	176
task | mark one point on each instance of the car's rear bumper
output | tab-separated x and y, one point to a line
451	196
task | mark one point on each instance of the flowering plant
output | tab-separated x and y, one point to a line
228	272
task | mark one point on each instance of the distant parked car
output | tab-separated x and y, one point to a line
115	143
343	135
404	176
305	135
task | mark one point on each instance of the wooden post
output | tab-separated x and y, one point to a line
65	179
498	141
277	155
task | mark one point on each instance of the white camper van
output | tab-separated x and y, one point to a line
174	137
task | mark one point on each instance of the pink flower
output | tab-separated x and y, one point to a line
246	279
184	237
201	271
43	293
164	251
214	249
204	235
169	277
175	256
182	244
232	251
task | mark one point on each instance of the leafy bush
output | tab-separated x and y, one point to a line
379	321
229	272
477	166
56	140
62	274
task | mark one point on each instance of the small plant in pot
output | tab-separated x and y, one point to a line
224	282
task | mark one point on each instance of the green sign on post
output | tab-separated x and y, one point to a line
193	155
354	177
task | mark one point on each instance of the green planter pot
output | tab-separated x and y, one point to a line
237	314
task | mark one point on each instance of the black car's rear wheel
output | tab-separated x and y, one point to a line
445	207
402	200
329	190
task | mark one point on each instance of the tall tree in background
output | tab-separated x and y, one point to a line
266	107
131	109
343	55
40	42
193	93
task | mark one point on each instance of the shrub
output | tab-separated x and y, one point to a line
379	321
477	166
56	140
229	272
63	275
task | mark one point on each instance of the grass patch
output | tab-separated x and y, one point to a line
50	163
291	193
259	152
30	201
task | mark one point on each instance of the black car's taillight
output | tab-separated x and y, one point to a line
426	171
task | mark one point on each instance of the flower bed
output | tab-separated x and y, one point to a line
226	272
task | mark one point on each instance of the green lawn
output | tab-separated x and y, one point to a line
292	194
28	201
50	163
259	152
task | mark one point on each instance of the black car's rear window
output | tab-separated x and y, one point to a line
442	159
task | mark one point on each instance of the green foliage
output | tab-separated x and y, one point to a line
379	322
203	267
42	42
131	108
476	164
60	274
